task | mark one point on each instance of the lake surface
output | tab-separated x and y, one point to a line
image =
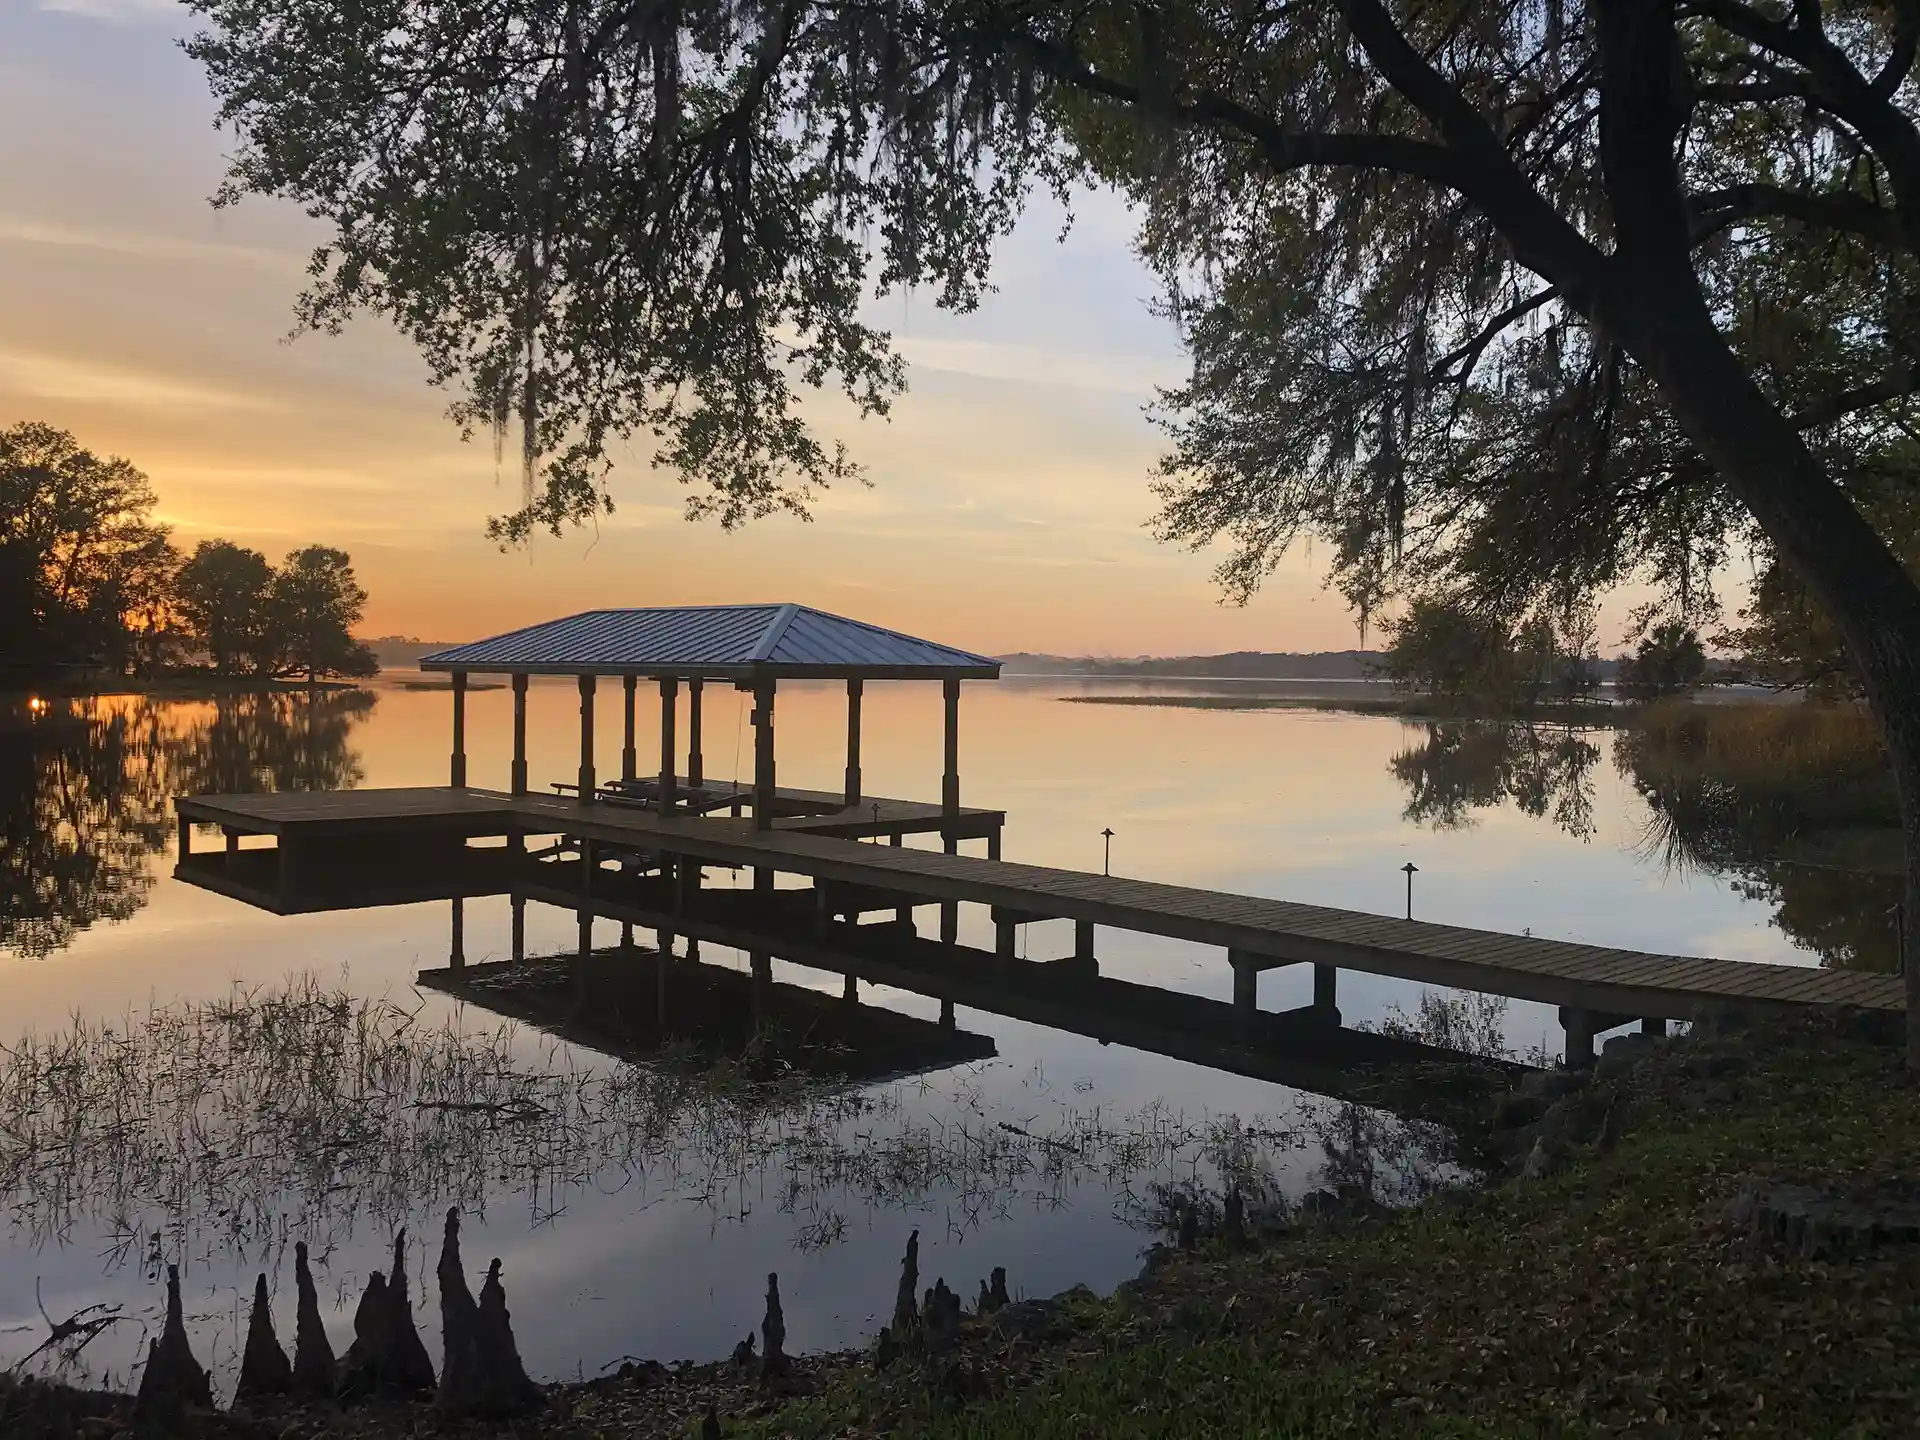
639	1215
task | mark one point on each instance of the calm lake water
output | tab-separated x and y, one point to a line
637	1216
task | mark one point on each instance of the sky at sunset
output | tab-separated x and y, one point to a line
1010	497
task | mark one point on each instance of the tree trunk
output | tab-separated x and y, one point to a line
1648	301
1871	598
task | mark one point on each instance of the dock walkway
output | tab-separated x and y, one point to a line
1596	987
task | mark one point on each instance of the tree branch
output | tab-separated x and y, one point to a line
1840	87
1543	240
1902	381
1468	355
1714	210
1284	149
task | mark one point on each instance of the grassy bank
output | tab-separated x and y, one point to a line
1612	1296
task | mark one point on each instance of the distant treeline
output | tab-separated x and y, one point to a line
1237	665
396	650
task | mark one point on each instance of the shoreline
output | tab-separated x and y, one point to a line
1659	1232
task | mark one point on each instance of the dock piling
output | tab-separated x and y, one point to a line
457	948
1325	1001
1246	981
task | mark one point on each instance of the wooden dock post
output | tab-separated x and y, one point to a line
763	767
184	850
669	758
458	775
629	757
1653	1026
993	843
852	791
946	1014
1005	928
1083	940
1325	1001
626	935
457	950
1246	981
696	762
1579	1027
517	946
586	740
518	776
233	842
850	991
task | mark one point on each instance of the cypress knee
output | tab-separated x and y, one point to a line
264	1368
313	1363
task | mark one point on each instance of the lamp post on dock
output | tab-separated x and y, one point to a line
1412	870
1106	861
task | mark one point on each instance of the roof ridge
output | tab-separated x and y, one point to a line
775	631
896	634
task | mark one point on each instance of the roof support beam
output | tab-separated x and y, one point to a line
854	688
518	779
669	699
586	740
696	763
629	758
763	781
950	784
458	776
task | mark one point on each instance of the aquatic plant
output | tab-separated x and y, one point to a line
246	1122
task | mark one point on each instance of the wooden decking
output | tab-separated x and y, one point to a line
1261	933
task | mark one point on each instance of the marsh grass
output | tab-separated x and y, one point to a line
242	1123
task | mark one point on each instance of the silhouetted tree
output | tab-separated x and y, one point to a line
83	567
1450	652
222	591
1669	661
314	605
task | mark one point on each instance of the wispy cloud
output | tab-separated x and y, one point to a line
19	230
1042	365
115	9
52	377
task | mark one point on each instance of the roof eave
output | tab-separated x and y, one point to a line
985	670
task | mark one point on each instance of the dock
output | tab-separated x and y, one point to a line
427	832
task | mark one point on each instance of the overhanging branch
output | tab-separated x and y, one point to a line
1714	210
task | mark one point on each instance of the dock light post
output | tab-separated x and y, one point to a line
1412	870
1106	860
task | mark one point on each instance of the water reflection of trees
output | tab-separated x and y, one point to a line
301	1113
1466	765
1811	831
85	792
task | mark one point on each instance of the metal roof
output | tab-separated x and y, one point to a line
713	641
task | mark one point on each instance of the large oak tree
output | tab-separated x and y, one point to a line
1583	283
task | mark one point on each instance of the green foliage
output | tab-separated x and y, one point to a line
222	591
1670	660
1451	651
296	620
609	219
313	607
1788	639
1384	235
83	567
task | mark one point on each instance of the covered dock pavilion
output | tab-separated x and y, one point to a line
751	647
